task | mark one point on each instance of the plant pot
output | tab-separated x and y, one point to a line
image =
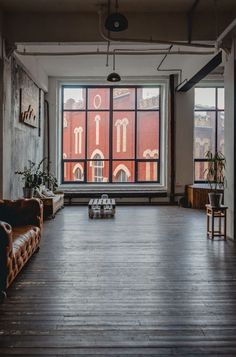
28	192
215	199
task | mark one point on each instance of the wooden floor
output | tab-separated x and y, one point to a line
146	283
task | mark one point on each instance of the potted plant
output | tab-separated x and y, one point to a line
51	181
32	176
215	176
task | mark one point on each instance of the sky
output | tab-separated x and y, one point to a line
206	97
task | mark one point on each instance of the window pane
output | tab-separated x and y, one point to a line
148	171
98	170
205	98
98	98
148	98
74	135
221	121
221	98
204	133
199	173
88	114
74	171
123	98
148	135
98	134
74	98
123	135
123	170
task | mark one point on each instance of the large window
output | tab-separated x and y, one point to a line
208	127
110	134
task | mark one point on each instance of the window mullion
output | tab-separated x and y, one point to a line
86	139
111	135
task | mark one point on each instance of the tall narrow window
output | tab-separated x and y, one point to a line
118	133
98	168
78	140
97	120
78	172
208	127
122	176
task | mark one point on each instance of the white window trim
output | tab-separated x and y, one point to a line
55	98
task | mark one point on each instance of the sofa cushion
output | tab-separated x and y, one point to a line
25	239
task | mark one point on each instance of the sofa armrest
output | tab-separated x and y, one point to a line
25	211
5	252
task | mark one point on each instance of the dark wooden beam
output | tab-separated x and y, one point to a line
234	227
190	20
208	68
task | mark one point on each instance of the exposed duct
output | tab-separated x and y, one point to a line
117	51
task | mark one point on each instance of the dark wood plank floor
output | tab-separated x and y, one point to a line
147	283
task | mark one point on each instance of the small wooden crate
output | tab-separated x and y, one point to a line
101	207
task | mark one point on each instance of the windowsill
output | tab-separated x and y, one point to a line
106	188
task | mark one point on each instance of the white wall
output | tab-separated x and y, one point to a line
184	140
35	70
229	137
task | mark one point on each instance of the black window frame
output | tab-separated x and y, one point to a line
136	160
216	110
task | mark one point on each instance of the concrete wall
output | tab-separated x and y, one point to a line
20	142
230	118
83	27
35	70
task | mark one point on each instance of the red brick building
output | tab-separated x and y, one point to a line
106	134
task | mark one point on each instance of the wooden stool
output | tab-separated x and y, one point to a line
221	214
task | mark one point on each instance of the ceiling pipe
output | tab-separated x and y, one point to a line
222	36
163	59
174	43
179	71
117	51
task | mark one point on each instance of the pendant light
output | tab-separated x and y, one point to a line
113	77
116	22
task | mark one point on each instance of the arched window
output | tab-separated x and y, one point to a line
121	124
97	120
78	172
121	173
121	176
98	168
78	140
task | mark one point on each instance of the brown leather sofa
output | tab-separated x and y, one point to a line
21	224
52	204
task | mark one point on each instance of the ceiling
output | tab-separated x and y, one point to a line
124	5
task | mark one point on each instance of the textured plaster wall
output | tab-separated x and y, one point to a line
20	142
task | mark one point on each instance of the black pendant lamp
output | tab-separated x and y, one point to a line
116	22
113	77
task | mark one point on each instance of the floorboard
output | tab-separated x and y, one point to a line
146	283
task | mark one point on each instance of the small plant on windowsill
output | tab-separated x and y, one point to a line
215	176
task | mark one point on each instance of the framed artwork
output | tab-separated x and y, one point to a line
30	104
